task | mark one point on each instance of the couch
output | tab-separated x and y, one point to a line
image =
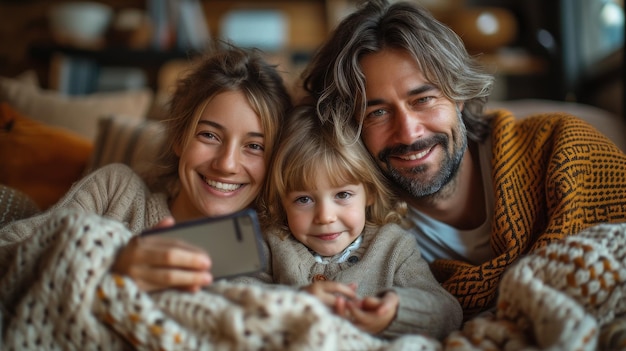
48	141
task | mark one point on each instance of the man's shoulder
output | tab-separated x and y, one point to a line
503	118
541	128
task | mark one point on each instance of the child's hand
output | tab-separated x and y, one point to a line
333	294
373	314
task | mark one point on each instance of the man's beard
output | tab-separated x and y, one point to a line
420	187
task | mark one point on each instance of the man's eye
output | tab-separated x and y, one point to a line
377	113
424	100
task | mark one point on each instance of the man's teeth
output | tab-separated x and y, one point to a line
222	186
414	157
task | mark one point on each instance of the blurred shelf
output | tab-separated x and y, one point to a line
513	63
110	56
58	59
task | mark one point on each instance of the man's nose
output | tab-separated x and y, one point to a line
407	126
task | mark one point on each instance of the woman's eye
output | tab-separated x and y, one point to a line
208	135
255	146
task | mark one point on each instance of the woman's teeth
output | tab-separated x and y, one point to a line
225	187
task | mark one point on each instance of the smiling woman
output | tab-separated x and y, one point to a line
222	164
221	131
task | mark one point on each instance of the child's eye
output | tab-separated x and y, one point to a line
303	200
343	195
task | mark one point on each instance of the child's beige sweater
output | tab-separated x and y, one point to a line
387	259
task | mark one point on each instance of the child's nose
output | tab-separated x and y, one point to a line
325	213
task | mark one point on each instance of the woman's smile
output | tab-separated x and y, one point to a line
222	186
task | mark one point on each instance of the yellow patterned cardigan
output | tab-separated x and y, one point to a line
553	175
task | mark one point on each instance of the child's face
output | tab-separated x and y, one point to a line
326	219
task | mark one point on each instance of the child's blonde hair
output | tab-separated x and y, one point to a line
306	149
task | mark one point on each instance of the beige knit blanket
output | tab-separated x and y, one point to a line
569	295
59	295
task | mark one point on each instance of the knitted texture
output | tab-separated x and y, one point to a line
59	267
387	258
553	175
15	205
72	302
569	295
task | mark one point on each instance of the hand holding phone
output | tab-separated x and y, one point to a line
233	241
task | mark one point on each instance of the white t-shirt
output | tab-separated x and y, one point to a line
439	240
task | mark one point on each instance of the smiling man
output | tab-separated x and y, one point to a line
484	189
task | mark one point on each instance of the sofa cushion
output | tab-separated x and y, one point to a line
39	160
79	114
130	141
612	126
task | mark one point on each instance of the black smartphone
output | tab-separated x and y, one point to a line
232	241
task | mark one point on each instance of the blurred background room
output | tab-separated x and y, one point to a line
567	50
86	83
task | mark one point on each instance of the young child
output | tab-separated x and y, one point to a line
331	230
